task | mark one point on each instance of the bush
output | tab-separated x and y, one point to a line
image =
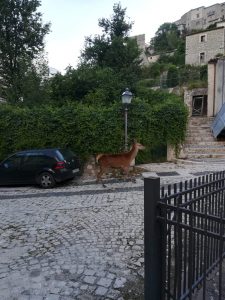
92	129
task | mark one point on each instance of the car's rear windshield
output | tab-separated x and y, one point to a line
65	154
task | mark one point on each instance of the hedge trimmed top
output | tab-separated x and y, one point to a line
87	129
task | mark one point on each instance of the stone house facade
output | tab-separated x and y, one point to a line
205	45
208	101
202	17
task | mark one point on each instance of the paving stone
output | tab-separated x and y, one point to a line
104	282
85	297
89	272
113	294
34	297
52	297
89	279
101	291
119	282
35	273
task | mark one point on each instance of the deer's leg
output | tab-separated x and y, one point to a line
127	175
126	171
99	175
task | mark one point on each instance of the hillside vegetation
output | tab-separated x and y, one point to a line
82	109
170	69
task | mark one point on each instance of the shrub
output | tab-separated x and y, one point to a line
89	129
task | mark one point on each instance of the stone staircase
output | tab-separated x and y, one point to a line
200	143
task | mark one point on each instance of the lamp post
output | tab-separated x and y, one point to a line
126	100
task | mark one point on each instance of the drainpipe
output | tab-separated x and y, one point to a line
214	87
223	82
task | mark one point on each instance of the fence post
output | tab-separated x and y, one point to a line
153	283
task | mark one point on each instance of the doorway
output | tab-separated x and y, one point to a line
199	105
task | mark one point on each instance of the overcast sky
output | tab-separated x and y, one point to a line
73	20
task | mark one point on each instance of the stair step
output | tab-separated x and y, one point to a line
200	142
200	137
206	155
196	140
192	143
207	146
204	150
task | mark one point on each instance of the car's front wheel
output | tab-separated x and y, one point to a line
46	180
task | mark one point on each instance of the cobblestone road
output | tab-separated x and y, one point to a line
72	243
76	241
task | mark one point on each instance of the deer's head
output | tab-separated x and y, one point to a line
138	146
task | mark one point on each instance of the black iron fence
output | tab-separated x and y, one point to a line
184	237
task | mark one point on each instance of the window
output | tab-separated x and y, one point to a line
202	57
203	38
13	162
211	13
37	160
197	16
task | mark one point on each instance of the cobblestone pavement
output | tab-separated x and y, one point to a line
79	240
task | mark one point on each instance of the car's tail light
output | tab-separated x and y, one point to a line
60	165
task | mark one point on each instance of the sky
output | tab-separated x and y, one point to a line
73	20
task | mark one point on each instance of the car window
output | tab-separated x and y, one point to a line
37	160
12	162
67	154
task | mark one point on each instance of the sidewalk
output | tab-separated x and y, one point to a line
169	172
182	170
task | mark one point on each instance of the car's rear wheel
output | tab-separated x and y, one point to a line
46	180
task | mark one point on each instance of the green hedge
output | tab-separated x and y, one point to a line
92	129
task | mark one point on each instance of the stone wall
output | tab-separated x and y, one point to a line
216	85
220	85
189	94
209	42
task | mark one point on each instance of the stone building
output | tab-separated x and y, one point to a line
202	17
208	101
143	47
204	45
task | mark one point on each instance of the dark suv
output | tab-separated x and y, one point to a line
45	167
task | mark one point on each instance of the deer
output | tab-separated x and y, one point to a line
119	161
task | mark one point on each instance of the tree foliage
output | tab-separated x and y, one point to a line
170	44
21	40
166	38
87	84
108	64
172	76
113	48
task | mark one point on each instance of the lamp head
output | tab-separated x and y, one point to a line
127	96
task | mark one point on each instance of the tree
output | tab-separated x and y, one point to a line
113	48
35	87
21	40
172	76
87	85
166	38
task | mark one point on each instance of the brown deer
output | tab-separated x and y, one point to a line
119	161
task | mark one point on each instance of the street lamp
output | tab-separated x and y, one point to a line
126	100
